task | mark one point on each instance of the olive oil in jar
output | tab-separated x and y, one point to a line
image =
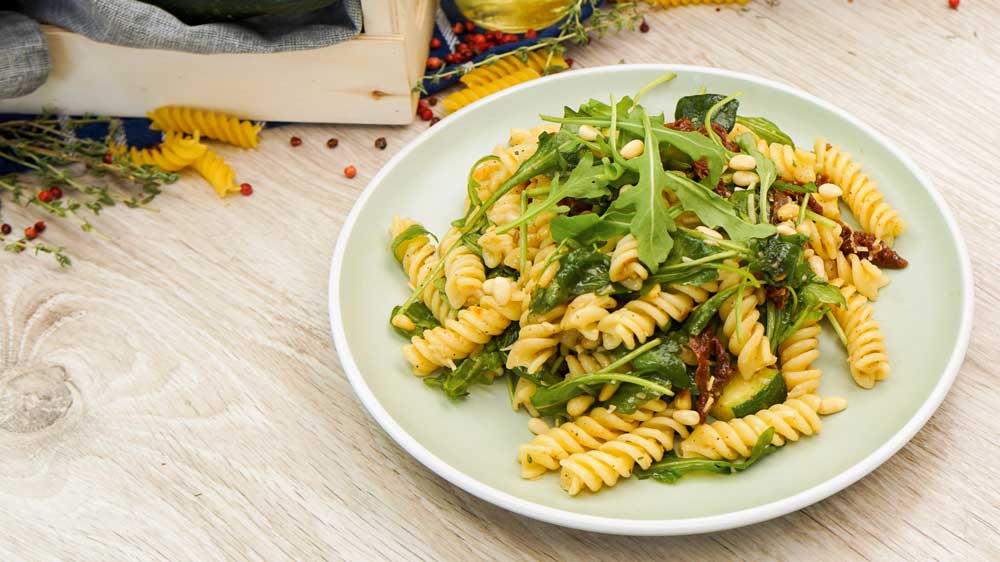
514	16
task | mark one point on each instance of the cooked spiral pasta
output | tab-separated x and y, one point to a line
793	164
212	124
585	312
747	341
823	239
500	249
735	439
584	433
507	208
523	136
587	363
535	344
866	353
175	153
616	458
625	265
865	276
524	389
217	173
861	194
638	319
464	272
797	354
417	256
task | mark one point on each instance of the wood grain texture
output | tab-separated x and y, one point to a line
176	396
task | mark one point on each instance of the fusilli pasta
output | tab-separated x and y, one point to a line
866	353
212	124
417	256
743	329
175	153
463	270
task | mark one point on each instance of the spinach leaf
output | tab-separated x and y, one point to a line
695	107
581	271
765	129
479	369
713	210
664	361
692	247
590	228
779	258
552	396
696	275
629	396
421	317
814	299
586	181
702	315
765	171
672	468
651	223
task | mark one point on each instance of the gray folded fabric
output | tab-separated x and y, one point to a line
136	24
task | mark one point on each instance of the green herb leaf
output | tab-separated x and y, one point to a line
713	210
695	107
765	170
589	228
664	361
673	468
765	129
549	397
702	315
421	317
814	299
779	258
411	232
581	271
794	187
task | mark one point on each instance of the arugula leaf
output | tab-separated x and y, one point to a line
551	396
695	107
814	299
479	369
702	315
672	468
794	187
421	317
692	247
586	181
411	232
765	170
765	129
502	271
779	258
581	271
664	361
651	222
588	228
713	210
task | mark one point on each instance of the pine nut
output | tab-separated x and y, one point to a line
709	232
788	211
683	400
588	133
816	265
830	191
578	405
500	288
743	162
633	149
743	178
831	405
687	417
403	322
786	229
537	426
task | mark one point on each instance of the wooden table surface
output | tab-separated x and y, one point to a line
176	395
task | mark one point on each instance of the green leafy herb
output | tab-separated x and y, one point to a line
713	210
411	232
779	258
794	187
673	468
589	228
665	361
765	170
421	317
765	129
581	271
814	300
696	107
547	397
702	315
479	369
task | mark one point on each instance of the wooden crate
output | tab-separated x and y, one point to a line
366	80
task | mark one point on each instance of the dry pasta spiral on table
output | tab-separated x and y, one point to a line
212	124
464	272
418	258
861	194
175	153
797	354
865	276
867	356
734	439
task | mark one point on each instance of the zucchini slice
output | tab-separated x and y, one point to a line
745	396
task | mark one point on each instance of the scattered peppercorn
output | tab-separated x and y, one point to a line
469	26
953	4
40	227
644	27
434	121
434	63
30	233
510	38
350	171
458	28
569	62
432	101
246	189
295	141
5	229
531	34
380	143
426	114
45	196
435	43
107	157
56	192
718	9
422	105
332	143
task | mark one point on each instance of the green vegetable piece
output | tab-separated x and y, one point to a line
421	317
779	258
695	107
765	170
664	361
672	468
814	300
411	232
548	397
745	396
765	129
702	315
713	210
794	187
589	228
580	271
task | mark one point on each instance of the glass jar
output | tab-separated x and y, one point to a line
514	16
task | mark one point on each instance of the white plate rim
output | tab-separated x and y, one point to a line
654	527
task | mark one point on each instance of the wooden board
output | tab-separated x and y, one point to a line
180	398
365	80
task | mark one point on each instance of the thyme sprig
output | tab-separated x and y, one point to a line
91	174
620	16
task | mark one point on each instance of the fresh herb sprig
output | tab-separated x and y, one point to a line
673	468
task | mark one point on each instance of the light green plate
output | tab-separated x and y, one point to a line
925	313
